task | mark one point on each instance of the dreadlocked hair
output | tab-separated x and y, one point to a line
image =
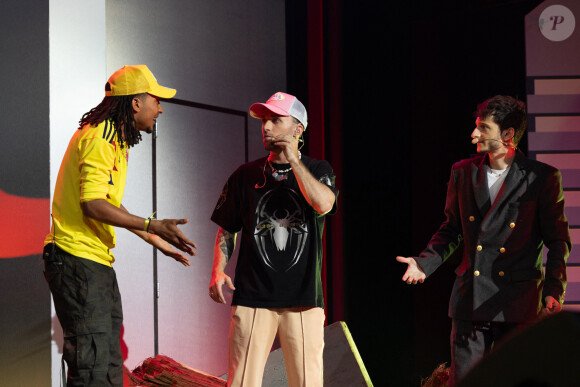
119	110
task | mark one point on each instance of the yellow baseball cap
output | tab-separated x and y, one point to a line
137	79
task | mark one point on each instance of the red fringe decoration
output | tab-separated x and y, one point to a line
164	371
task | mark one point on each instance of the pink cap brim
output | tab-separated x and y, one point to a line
259	110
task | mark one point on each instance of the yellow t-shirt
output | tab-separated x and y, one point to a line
93	167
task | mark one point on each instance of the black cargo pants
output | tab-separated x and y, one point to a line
88	305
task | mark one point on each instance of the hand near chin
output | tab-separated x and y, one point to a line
288	145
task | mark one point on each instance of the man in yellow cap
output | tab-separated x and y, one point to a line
86	207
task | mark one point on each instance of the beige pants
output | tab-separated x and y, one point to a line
252	332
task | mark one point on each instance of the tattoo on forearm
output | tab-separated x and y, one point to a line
226	244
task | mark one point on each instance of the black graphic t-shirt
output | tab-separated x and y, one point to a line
280	259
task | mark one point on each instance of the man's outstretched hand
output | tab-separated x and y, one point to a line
167	229
168	250
414	273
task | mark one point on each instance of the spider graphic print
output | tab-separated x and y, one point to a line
281	230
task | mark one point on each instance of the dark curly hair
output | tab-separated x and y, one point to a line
507	112
119	110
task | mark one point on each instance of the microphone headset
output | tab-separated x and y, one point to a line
264	174
504	134
475	141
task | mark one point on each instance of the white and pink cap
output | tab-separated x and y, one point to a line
281	104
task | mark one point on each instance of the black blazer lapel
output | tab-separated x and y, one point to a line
513	179
480	189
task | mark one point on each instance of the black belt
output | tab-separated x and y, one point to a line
49	253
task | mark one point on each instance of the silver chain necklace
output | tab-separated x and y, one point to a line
281	174
280	171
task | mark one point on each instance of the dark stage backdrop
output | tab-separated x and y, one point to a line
411	75
24	191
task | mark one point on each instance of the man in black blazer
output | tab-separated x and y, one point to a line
501	208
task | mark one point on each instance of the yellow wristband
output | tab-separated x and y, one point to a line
148	221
